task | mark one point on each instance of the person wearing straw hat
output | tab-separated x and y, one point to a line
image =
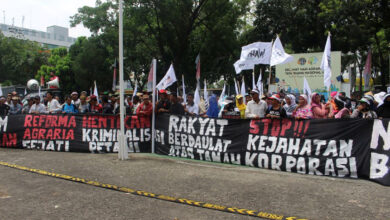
15	107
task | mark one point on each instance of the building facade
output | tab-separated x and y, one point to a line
55	36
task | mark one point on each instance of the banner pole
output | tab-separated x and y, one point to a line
123	151
154	105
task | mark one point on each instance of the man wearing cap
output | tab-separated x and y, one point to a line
15	107
191	107
26	108
145	108
163	105
176	107
255	108
4	108
75	99
276	110
37	107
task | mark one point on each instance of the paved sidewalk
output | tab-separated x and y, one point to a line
25	195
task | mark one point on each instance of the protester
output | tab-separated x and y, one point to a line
15	107
4	108
276	110
163	105
364	110
248	98
176	108
290	105
37	107
117	108
191	107
240	105
84	106
94	105
75	99
146	107
107	107
303	110
68	106
8	100
383	110
343	110
26	108
136	102
256	108
213	110
318	109
53	106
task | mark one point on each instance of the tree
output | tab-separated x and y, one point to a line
19	59
90	61
173	31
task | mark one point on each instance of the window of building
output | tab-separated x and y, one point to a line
43	35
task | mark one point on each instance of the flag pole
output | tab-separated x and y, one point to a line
154	104
123	152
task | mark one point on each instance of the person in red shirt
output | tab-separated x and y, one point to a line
145	108
95	106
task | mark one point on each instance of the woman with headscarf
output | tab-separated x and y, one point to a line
364	110
213	110
240	105
318	109
383	110
303	110
341	106
290	105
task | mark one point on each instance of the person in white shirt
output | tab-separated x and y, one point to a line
255	108
75	99
37	107
191	107
53	106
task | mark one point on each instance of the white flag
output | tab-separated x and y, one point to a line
278	55
256	53
260	84
235	87
184	90
205	95
25	91
168	79
95	92
241	65
306	89
135	90
197	96
222	96
243	90
326	64
1	91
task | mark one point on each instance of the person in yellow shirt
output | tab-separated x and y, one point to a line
240	105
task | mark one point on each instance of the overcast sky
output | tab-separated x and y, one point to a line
39	14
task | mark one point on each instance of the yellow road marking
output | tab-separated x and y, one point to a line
234	210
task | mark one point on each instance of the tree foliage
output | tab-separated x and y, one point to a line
19	60
172	31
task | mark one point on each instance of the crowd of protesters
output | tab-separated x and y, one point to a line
253	105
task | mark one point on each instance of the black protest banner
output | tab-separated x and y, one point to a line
354	148
76	133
